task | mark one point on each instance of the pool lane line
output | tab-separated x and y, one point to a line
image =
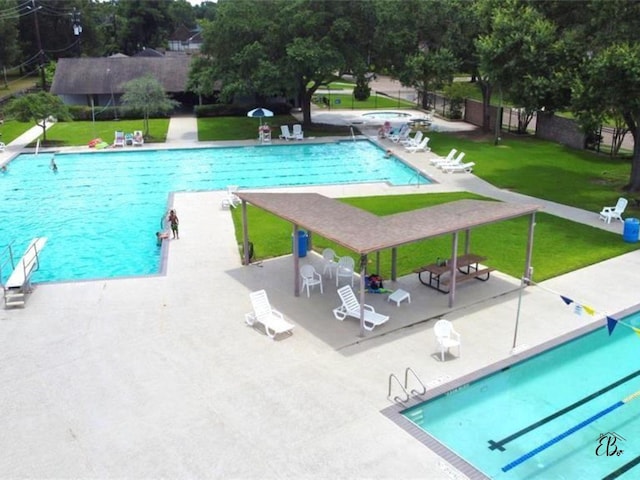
623	469
499	445
572	430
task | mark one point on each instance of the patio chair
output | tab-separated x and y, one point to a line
119	139
401	135
298	134
345	269
231	200
272	320
421	147
614	213
329	259
2	147
456	161
285	133
446	337
310	278
138	138
415	140
351	308
462	168
449	158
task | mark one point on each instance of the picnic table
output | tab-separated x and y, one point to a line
467	265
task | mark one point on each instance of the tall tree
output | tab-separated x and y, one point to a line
9	48
144	23
610	86
37	107
146	95
284	47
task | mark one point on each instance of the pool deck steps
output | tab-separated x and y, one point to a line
18	282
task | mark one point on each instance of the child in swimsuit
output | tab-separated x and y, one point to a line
173	221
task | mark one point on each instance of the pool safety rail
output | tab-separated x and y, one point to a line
405	388
18	284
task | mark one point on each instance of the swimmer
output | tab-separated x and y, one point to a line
53	165
388	154
3	169
160	236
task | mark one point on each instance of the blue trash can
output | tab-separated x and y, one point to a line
631	230
303	242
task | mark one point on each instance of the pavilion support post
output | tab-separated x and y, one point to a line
363	273
454	268
296	262
467	241
528	269
378	262
245	234
309	240
394	260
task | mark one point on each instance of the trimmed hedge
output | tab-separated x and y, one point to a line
82	112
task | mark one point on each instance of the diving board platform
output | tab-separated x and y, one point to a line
18	283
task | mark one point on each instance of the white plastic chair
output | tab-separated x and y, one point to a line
298	134
272	320
449	158
329	259
345	269
446	336
614	213
415	140
462	168
451	163
285	133
351	308
231	200
421	147
310	278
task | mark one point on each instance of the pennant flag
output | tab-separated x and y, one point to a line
637	330
566	300
578	309
611	324
588	310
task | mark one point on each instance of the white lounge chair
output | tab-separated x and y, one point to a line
272	320
463	168
298	134
345	269
231	200
401	135
415	140
456	161
310	278
438	160
119	139
351	308
138	138
446	337
2	147
329	259
421	147
285	133
614	213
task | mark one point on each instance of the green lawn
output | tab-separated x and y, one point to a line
339	101
12	129
245	128
81	132
542	169
560	246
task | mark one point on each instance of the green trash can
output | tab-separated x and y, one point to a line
631	230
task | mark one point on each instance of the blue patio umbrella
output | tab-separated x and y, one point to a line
260	112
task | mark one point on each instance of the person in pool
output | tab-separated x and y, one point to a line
174	222
53	164
160	236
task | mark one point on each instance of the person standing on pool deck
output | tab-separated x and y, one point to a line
173	221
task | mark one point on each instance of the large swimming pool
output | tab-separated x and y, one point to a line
514	424
100	210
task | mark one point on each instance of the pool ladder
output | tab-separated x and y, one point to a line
417	176
405	388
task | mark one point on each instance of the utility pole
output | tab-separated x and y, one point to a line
39	42
77	27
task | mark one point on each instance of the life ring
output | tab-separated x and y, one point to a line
94	142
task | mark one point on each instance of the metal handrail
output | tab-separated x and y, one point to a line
7	260
397	398
406	382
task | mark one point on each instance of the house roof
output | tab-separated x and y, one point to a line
87	76
363	232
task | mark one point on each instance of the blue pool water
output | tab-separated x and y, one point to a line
504	404
101	210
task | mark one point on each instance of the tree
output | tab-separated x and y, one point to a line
146	95
37	107
9	49
610	86
144	23
285	48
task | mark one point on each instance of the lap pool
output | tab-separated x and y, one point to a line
100	210
567	413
